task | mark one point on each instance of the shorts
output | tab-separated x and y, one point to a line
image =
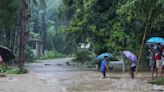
158	63
104	73
133	69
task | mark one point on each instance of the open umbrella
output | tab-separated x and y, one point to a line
155	40
101	56
6	53
130	56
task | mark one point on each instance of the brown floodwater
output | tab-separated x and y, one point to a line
79	79
56	76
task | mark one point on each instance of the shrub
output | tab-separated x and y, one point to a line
52	55
83	56
12	70
29	56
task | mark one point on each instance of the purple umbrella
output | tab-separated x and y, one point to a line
130	56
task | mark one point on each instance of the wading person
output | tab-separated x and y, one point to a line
133	68
104	66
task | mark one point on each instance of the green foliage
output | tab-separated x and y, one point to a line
159	81
29	56
50	33
83	56
12	70
55	39
52	55
8	23
16	71
96	20
116	24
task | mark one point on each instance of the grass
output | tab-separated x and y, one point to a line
12	70
51	55
159	81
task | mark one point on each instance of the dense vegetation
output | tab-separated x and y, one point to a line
113	25
116	24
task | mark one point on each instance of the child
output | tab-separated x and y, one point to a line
104	66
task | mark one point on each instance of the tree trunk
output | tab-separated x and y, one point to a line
144	36
44	31
22	30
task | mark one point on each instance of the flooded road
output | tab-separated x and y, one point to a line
56	76
75	79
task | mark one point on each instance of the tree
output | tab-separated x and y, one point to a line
149	13
92	22
23	21
8	29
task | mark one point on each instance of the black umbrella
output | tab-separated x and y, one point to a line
6	54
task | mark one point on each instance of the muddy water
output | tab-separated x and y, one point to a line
75	79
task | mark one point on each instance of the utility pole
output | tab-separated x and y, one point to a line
23	21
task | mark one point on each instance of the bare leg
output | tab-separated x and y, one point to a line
152	74
132	74
104	75
159	71
153	70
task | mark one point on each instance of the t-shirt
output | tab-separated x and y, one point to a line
103	65
133	63
158	56
158	53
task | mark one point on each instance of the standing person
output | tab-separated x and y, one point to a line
104	66
152	62
158	59
133	68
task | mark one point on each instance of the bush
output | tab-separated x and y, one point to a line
12	70
29	56
52	55
82	57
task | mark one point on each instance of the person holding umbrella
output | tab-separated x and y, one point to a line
133	68
133	61
104	67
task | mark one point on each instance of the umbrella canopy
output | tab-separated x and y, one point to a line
130	56
6	53
101	56
155	40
